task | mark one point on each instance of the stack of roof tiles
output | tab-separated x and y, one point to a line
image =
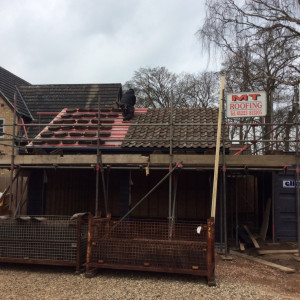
192	128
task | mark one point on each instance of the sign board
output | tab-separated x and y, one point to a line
249	104
289	184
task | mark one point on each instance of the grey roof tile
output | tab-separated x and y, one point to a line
184	136
55	97
8	83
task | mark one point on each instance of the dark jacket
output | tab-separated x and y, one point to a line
129	98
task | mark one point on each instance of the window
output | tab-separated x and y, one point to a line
2	128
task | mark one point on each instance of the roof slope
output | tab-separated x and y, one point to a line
184	135
55	97
193	128
78	129
8	83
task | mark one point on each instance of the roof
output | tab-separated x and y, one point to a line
193	128
184	136
42	99
77	129
8	83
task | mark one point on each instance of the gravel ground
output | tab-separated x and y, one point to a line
237	279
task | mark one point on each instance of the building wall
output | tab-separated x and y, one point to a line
285	206
73	191
7	114
192	197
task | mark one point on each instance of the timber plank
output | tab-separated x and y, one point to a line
262	252
264	262
265	224
260	160
74	159
297	258
188	160
242	246
231	160
254	241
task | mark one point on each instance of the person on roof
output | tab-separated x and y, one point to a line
127	103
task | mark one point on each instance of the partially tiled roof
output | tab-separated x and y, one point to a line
55	97
8	83
77	128
193	135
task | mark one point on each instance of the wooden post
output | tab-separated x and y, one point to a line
7	189
216	172
170	216
296	103
89	243
210	253
78	248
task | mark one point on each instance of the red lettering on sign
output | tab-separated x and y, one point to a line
254	96
243	97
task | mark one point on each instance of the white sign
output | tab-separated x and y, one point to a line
242	105
288	183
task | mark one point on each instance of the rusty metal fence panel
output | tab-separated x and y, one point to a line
55	240
148	245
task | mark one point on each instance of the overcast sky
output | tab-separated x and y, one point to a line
99	41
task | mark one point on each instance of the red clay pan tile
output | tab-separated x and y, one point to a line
78	128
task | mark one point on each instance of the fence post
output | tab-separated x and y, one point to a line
89	243
78	248
210	254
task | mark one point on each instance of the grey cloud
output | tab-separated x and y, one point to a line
89	41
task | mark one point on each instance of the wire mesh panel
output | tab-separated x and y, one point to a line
149	229
49	239
155	245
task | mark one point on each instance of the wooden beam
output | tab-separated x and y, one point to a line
187	159
242	246
264	262
271	161
216	163
8	187
296	258
254	241
263	252
265	224
261	160
75	159
154	160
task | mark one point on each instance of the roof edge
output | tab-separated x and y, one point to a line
32	118
16	76
8	101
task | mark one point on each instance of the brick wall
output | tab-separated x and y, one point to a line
7	114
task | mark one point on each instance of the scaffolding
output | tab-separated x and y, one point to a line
169	162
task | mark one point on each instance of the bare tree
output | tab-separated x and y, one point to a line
155	87
266	15
200	90
259	40
231	25
256	70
